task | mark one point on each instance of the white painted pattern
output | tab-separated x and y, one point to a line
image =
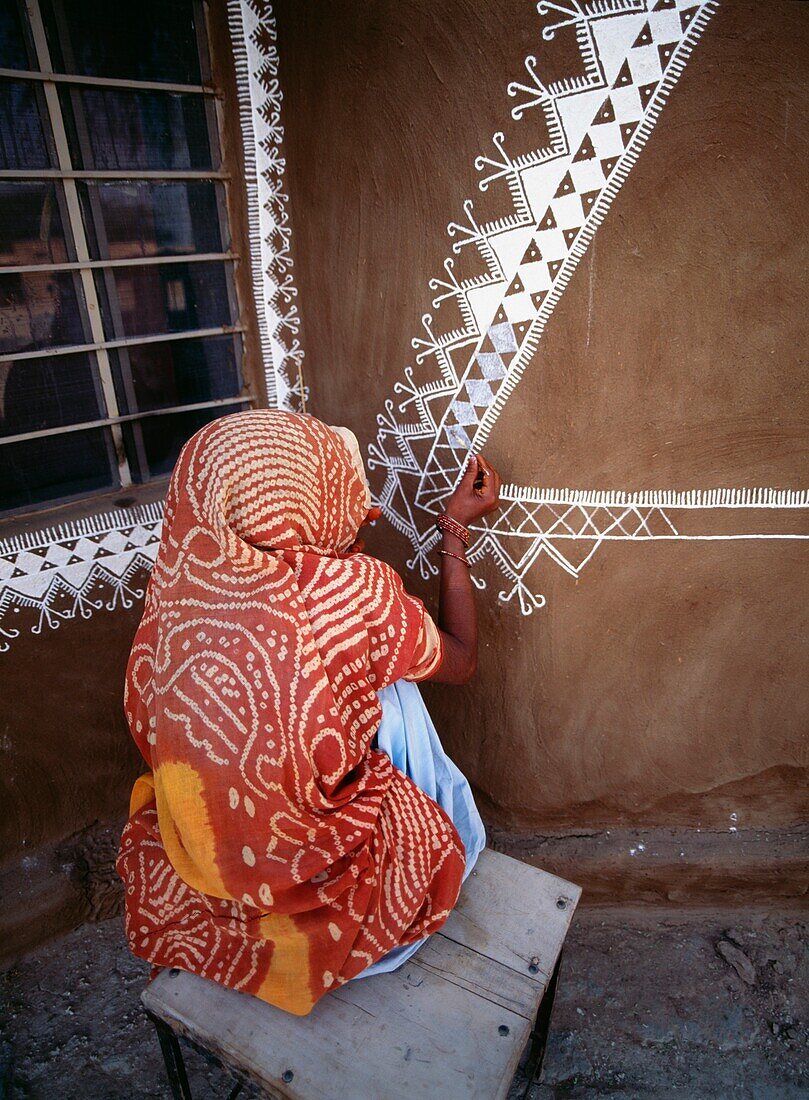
76	569
255	54
632	54
39	576
569	525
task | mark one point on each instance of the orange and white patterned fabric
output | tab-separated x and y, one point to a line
270	848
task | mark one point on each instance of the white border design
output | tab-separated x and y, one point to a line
255	55
76	569
632	54
569	525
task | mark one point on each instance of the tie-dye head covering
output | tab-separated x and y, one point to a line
270	848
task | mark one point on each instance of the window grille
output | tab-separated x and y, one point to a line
119	332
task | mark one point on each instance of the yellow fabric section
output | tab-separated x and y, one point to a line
287	981
142	793
191	849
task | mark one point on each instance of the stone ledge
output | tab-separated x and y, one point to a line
697	866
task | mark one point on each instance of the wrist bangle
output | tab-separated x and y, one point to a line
452	527
449	554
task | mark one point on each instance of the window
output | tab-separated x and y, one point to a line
118	308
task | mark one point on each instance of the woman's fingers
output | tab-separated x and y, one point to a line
491	483
478	491
470	473
489	477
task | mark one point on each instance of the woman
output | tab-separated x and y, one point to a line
272	847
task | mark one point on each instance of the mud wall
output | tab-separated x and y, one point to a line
664	682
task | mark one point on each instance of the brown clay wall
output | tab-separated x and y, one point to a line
68	768
667	684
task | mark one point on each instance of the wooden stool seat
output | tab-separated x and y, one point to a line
452	1022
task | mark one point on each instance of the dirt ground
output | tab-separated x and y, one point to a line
652	1003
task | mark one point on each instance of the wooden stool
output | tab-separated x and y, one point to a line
451	1022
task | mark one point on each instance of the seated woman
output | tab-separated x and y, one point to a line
300	825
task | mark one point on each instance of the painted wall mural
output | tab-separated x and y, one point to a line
596	122
665	685
632	53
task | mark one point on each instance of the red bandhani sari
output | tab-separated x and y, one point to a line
270	848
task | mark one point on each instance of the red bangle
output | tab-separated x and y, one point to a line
449	554
452	527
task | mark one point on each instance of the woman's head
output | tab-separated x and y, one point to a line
274	480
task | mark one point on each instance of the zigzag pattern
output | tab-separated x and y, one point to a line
569	525
632	53
76	570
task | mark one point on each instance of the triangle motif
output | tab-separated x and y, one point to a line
606	112
624	76
586	151
588	199
644	38
531	255
565	187
665	53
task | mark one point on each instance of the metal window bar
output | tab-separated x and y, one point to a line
124	341
110	82
113	173
215	124
100	239
127	418
129	261
108	286
76	230
83	266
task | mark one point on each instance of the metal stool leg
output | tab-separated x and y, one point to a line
539	1036
173	1057
237	1088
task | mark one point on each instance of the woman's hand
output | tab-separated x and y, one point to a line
477	493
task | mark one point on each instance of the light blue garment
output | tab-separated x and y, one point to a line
409	738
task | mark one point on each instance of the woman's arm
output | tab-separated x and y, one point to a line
477	494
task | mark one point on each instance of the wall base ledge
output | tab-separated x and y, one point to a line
72	882
671	866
